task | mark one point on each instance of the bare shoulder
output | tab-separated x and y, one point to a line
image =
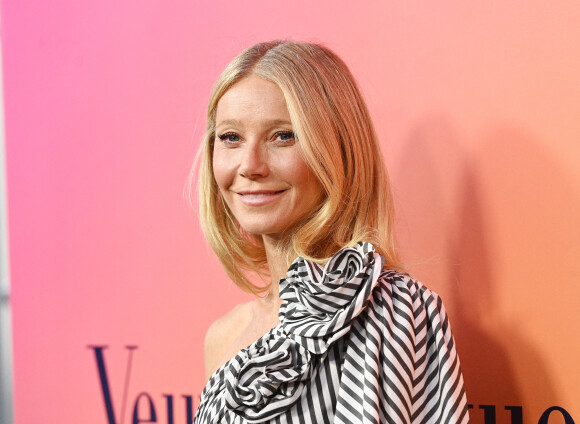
222	334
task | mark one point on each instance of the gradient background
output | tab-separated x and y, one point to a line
478	109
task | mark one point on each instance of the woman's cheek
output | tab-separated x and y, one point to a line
222	170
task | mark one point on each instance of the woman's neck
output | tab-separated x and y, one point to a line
277	266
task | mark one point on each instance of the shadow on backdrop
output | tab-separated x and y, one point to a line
503	201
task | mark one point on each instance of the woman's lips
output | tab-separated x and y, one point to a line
258	198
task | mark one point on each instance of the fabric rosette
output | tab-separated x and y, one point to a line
321	302
267	378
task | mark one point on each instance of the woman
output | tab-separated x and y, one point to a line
291	174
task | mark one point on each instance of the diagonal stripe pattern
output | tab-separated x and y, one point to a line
355	344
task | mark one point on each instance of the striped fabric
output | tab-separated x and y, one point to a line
355	344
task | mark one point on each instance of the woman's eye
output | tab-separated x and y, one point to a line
285	137
229	137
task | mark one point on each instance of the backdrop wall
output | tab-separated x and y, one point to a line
478	109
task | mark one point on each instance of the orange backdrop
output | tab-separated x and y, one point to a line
478	110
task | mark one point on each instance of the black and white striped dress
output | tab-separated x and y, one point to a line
355	344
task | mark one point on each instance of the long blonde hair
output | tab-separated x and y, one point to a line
338	142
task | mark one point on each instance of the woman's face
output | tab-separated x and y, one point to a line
257	162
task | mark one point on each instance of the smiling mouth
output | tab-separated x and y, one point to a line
254	194
259	198
260	194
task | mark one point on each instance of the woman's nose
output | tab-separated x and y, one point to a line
254	161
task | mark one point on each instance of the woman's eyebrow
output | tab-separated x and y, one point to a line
234	122
278	122
265	122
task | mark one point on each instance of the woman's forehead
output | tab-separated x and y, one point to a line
252	99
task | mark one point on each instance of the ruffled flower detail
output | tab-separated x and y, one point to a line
321	302
267	378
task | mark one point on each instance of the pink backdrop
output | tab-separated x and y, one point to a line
478	109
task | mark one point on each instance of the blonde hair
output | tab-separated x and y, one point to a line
338	142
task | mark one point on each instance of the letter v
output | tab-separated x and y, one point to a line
105	381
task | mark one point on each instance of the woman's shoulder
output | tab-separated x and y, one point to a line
222	333
404	293
403	281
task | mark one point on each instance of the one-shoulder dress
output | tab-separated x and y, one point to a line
355	344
